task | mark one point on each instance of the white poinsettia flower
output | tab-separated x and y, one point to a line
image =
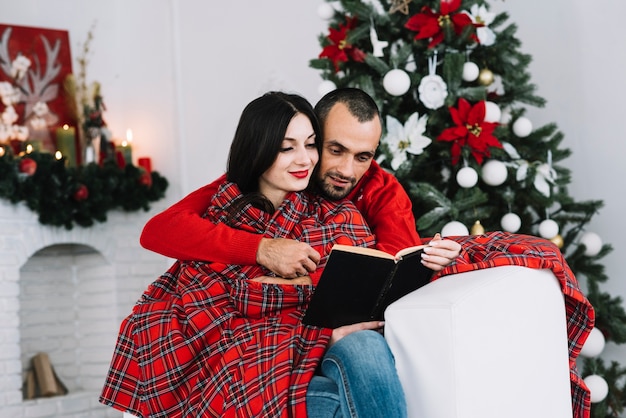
480	14
409	137
544	179
522	170
510	149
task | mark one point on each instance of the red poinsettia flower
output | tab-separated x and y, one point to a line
429	24
339	49
471	130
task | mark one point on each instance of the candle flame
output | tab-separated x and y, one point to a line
129	135
58	155
66	127
29	149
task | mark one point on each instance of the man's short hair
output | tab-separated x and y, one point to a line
359	104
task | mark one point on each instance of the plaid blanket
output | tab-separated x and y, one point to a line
500	248
204	341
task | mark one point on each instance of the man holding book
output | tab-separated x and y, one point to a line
351	132
351	129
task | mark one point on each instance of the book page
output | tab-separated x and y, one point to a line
362	250
408	250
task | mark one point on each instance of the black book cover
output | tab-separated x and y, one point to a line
357	287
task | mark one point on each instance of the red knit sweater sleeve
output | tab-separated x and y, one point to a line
180	232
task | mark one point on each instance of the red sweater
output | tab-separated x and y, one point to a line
180	231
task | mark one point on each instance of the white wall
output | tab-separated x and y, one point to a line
178	72
230	53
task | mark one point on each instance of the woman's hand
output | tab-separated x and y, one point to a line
440	252
280	280
339	333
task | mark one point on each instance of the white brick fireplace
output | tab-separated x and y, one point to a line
64	292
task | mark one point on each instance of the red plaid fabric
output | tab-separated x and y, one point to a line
204	341
500	248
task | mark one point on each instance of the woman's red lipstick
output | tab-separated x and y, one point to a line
300	174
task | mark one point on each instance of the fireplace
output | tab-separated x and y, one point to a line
64	292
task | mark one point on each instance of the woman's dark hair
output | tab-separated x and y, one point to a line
258	139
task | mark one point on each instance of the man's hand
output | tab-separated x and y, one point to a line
280	280
440	252
286	257
339	333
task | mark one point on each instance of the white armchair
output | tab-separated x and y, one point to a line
490	343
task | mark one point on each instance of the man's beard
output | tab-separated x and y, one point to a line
331	191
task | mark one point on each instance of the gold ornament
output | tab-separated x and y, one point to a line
485	77
557	240
477	229
401	6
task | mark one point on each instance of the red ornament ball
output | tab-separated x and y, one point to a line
81	193
27	166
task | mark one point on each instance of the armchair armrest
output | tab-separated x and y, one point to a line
487	343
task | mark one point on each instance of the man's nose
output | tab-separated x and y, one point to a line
346	166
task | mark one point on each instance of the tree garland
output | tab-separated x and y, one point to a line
68	196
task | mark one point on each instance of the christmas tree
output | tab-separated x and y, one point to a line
453	87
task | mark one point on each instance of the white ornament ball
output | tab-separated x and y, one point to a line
494	172
592	242
492	112
597	386
522	127
594	345
467	177
326	86
454	228
548	229
396	82
325	11
470	71
511	222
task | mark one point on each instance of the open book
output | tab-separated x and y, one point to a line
359	283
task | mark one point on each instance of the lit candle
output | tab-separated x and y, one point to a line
33	145
126	148
66	144
58	155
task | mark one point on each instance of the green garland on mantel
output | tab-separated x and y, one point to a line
68	196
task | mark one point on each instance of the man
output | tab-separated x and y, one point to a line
351	129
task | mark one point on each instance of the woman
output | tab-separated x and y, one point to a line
210	339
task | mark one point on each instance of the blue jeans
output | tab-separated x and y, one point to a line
357	378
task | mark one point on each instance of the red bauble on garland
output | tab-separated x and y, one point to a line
81	193
27	166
